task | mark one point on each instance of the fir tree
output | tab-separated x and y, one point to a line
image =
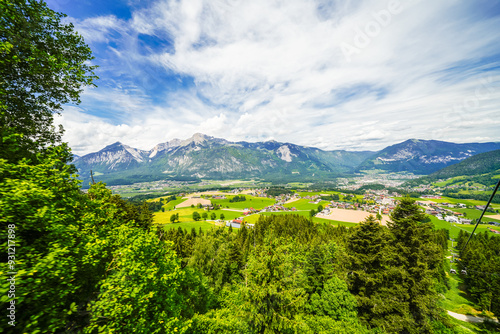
414	251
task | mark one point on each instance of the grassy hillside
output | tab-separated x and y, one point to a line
484	164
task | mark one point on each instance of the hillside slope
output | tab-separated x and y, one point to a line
484	163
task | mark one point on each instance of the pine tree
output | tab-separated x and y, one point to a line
373	279
414	251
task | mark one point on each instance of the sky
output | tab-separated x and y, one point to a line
354	75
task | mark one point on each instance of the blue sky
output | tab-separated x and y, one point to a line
355	75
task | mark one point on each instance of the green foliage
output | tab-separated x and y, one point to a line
334	301
44	203
276	191
69	242
479	170
273	292
395	272
264	278
481	260
333	310
420	258
373	186
332	197
154	206
196	216
373	279
118	209
141	290
43	64
238	198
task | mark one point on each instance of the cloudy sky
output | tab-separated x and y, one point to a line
340	74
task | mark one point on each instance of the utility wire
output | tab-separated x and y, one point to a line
482	214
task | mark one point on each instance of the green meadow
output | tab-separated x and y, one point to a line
186	215
472	202
251	202
303	204
475	214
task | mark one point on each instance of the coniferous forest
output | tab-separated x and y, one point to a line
481	260
92	262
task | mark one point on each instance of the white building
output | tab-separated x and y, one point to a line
451	219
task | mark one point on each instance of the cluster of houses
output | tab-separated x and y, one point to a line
219	196
250	211
384	208
277	207
236	223
259	192
443	211
431	196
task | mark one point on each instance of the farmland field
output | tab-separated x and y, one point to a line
303	204
442	224
251	202
475	214
172	204
186	215
480	228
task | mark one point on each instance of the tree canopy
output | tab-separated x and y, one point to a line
44	63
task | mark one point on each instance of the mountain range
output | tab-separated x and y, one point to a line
481	169
481	164
423	156
205	157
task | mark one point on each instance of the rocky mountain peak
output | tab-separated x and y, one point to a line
164	146
197	138
115	146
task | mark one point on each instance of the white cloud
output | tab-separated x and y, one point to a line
263	69
98	29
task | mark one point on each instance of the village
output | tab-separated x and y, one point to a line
243	206
352	208
445	211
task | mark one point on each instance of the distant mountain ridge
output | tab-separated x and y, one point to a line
466	179
423	156
205	157
481	164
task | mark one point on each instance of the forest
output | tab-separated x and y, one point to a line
481	261
92	262
290	275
